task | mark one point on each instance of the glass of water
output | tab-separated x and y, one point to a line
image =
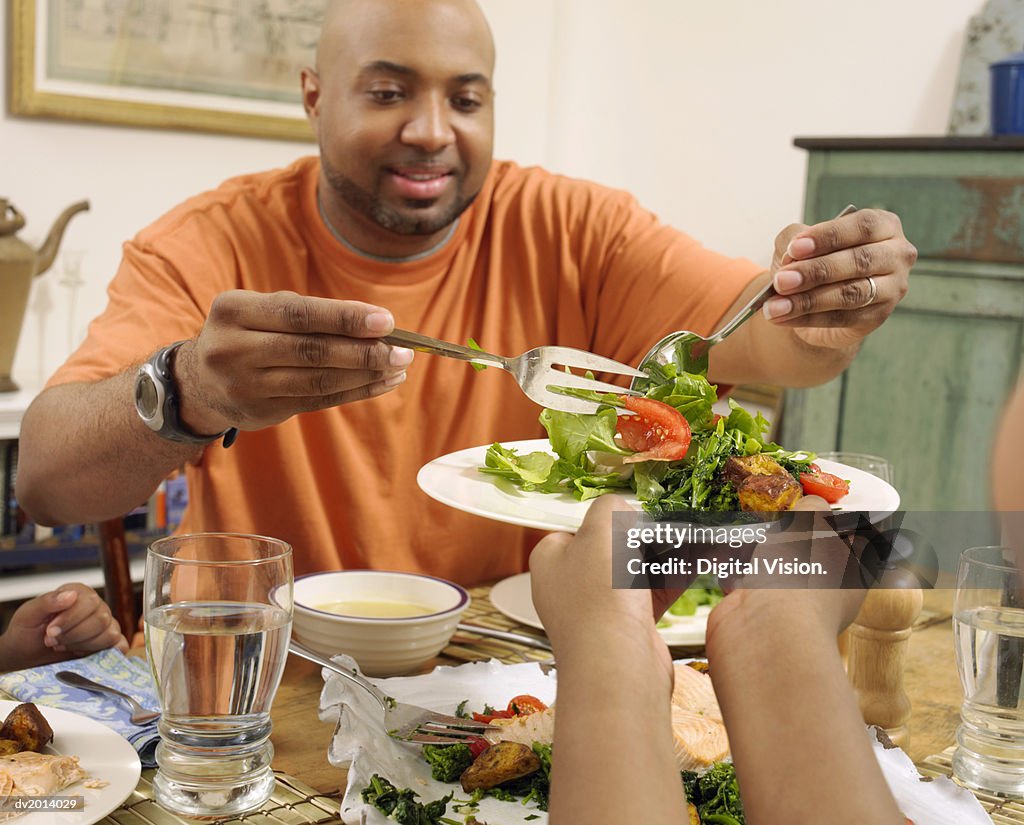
218	617
874	464
988	631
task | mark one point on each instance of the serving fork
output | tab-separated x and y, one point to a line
410	723
538	370
690	350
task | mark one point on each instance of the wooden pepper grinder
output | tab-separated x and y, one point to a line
876	651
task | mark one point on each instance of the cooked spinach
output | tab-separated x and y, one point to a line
401	806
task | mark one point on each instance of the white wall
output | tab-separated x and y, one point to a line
692	106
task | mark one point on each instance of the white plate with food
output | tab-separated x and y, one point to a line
110	763
361	745
512	597
455	479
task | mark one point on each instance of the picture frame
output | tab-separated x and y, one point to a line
233	70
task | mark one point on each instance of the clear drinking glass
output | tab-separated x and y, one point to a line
218	617
988	633
876	465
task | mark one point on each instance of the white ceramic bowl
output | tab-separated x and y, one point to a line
381	647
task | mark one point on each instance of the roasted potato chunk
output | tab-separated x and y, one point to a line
499	763
691	810
27	726
768	493
8	747
739	469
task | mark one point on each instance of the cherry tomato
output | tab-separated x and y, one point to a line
477	745
525	704
657	432
816	482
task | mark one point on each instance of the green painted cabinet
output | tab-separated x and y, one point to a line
927	389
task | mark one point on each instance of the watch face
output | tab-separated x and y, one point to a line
147	400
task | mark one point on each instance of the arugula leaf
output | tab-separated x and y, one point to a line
531	468
474	345
692	395
572	434
751	426
647	478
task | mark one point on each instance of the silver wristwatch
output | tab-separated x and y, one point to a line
156	401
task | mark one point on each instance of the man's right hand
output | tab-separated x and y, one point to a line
261	358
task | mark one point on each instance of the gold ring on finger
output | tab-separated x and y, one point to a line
873	291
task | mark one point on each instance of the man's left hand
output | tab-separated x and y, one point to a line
839	280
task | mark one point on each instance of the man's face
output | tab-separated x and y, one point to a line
403	109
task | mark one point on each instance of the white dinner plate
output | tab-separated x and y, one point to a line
455	479
513	598
103	754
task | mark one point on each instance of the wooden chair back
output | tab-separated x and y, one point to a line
117	577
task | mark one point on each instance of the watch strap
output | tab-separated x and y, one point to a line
173	429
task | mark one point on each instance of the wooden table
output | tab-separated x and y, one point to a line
301	739
931	679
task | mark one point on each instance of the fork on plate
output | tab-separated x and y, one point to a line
538	370
410	723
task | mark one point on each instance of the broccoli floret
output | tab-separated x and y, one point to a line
447	762
716	794
543	752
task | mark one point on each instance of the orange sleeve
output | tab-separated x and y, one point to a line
653	280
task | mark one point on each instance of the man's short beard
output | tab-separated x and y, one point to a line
371	206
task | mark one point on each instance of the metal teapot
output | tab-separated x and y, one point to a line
19	264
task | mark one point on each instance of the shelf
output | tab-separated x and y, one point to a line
928	144
12	409
16	587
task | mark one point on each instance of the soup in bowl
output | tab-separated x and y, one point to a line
391	623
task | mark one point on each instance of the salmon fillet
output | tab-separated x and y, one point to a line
698	733
698	740
693	691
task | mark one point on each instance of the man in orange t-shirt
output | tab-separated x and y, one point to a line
281	284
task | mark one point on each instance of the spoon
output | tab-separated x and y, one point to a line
690	350
140	716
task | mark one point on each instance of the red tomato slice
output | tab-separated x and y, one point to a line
657	432
525	704
490	717
826	485
477	745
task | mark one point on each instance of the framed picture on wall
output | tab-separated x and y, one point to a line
218	66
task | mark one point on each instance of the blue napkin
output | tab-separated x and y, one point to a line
108	667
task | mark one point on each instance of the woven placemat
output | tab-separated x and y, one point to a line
292	803
1000	810
467	647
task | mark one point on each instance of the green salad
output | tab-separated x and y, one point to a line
671	452
715	794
